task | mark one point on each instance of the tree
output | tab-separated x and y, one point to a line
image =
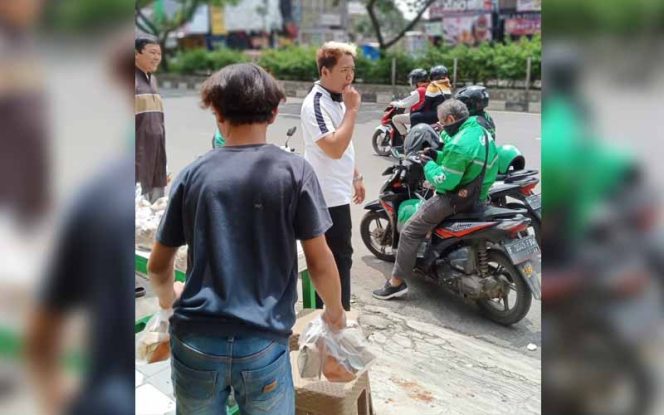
161	25
391	18
377	7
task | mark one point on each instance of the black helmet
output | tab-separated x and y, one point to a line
417	75
564	66
419	137
438	72
475	97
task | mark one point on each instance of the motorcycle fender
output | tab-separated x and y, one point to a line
531	275
373	206
537	213
383	128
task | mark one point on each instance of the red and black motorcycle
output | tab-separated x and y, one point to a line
486	257
386	137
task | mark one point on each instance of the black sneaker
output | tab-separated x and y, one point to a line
388	291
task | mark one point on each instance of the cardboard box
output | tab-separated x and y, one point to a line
320	397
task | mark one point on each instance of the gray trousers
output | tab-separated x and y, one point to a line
427	217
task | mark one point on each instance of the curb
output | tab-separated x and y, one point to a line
502	99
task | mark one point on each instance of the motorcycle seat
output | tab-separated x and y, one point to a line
489	212
501	187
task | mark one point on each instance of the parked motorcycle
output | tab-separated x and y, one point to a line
486	257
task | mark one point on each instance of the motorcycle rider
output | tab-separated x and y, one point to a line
438	90
476	98
419	78
455	173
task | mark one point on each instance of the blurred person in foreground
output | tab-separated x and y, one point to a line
240	209
150	131
24	160
92	270
597	279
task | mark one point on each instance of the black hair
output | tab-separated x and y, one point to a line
143	41
243	93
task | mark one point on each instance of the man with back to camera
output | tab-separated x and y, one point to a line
240	210
328	118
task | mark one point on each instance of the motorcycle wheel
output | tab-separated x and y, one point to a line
381	143
376	234
499	310
534	222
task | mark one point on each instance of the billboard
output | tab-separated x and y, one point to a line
523	25
529	5
469	30
444	8
217	21
253	15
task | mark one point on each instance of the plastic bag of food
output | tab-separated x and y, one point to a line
153	343
339	356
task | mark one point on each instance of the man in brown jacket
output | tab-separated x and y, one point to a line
150	134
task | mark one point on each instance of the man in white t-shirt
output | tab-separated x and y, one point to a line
328	118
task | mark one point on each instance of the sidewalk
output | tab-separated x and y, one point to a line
421	369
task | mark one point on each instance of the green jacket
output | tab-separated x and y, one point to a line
575	162
462	159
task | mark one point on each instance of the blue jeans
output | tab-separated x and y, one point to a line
205	368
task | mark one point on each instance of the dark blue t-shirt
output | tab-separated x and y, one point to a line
240	209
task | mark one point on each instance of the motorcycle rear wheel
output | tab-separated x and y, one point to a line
500	264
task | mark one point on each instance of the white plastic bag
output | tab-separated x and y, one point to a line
338	355
153	343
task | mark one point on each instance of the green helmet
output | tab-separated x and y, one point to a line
510	158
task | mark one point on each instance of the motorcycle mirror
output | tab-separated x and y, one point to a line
289	134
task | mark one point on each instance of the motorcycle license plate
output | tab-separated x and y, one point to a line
534	201
521	250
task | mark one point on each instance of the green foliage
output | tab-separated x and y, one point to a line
201	61
84	16
291	63
593	17
380	72
511	58
475	64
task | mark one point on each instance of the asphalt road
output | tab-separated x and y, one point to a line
189	131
